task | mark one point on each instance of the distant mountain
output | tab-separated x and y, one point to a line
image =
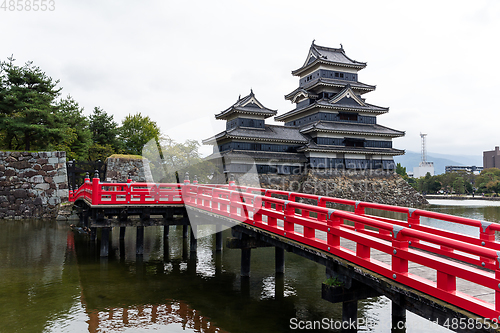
412	159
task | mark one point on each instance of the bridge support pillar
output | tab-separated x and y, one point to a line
218	263
245	262
279	259
104	242
185	231
166	231
218	238
350	315
193	242
139	241
93	234
122	232
166	250
398	314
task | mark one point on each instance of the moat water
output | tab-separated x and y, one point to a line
52	280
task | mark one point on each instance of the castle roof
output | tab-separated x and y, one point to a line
271	133
351	128
312	146
234	154
338	83
247	105
345	100
328	56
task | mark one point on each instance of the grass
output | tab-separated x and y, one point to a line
130	157
334	282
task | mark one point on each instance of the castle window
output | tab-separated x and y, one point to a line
336	74
348	116
342	75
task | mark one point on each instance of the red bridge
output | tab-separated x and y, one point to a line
448	267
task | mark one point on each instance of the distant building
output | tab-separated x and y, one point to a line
330	127
454	168
423	169
491	159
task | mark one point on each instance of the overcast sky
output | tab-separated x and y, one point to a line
435	63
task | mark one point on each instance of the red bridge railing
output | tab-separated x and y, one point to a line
477	259
129	193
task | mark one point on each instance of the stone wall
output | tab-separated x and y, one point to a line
119	168
32	185
371	185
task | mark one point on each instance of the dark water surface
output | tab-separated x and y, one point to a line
52	280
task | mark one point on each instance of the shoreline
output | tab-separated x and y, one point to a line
453	197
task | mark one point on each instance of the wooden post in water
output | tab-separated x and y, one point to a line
398	314
350	315
218	238
93	234
105	242
279	286
245	262
193	242
279	259
139	242
122	233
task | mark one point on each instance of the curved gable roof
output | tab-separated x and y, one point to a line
328	55
247	105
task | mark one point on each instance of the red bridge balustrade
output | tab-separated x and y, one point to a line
453	256
97	193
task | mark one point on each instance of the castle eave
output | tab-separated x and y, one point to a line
369	151
291	113
303	69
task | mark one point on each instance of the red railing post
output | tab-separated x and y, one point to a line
321	203
359	209
486	235
333	222
399	244
96	191
288	213
413	220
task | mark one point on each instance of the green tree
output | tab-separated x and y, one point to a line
104	131
459	185
29	117
486	180
79	138
400	170
136	131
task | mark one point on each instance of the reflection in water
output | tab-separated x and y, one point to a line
178	316
62	285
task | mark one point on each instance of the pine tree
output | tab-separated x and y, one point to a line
29	115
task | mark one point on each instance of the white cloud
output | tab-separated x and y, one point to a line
434	63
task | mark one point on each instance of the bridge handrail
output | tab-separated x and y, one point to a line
241	204
278	212
486	229
98	193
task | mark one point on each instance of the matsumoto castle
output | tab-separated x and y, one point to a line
331	126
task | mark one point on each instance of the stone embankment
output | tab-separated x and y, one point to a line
32	185
119	168
371	186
